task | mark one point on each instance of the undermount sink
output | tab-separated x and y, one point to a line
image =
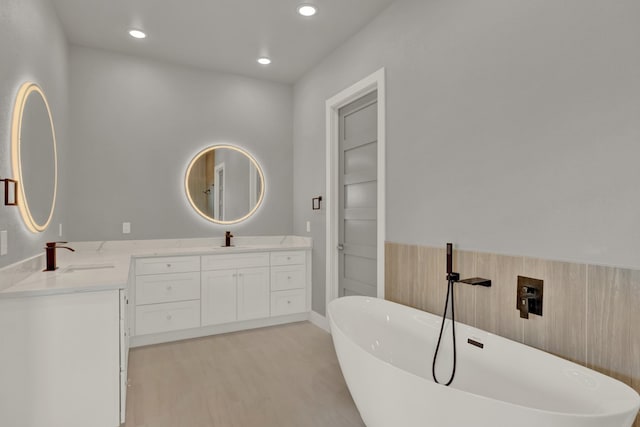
89	267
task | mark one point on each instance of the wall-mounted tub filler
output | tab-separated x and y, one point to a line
452	278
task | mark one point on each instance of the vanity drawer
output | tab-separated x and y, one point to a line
288	257
177	264
288	302
230	261
285	277
154	318
157	288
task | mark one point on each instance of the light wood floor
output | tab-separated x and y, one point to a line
282	376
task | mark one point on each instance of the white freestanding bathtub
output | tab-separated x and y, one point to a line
386	349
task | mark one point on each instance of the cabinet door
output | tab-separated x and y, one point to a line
60	360
253	293
218	297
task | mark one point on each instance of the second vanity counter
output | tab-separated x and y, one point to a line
185	288
96	266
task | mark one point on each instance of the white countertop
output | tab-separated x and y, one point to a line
98	266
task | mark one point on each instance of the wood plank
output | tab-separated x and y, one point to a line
283	376
464	262
495	306
562	328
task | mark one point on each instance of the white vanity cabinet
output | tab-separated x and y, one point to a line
288	282
245	274
167	294
181	297
63	361
253	293
219	297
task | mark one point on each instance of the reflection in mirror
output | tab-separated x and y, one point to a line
34	157
224	184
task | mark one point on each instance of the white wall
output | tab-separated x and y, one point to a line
512	127
137	123
32	48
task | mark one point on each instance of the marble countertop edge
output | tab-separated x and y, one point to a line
105	265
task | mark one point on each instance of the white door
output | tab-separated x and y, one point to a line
219	193
219	297
358	166
253	293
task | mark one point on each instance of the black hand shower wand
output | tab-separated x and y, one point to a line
452	278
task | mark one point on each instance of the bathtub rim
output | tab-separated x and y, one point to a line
446	389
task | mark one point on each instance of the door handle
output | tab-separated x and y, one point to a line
340	247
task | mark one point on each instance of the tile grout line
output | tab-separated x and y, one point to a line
475	291
586	318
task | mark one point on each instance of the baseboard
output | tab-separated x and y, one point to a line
319	320
142	340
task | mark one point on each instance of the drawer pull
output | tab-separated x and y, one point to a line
169	288
169	317
168	265
288	302
289	277
288	258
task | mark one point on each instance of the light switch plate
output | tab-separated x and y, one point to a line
308	226
126	228
4	244
59	230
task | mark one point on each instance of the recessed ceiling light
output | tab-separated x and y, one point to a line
307	10
264	61
137	34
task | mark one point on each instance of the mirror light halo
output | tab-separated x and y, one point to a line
16	128
234	148
263	60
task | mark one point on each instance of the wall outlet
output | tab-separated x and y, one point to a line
126	228
4	242
308	226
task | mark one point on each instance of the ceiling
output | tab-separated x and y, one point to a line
223	35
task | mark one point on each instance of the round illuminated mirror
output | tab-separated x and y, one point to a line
224	184
34	159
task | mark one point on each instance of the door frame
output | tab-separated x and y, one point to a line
371	83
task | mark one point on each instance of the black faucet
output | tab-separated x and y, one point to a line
452	279
227	239
50	250
455	277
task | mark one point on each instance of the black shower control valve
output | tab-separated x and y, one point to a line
530	295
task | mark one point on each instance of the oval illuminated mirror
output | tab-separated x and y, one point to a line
33	156
224	184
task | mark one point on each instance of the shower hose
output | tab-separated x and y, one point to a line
450	283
